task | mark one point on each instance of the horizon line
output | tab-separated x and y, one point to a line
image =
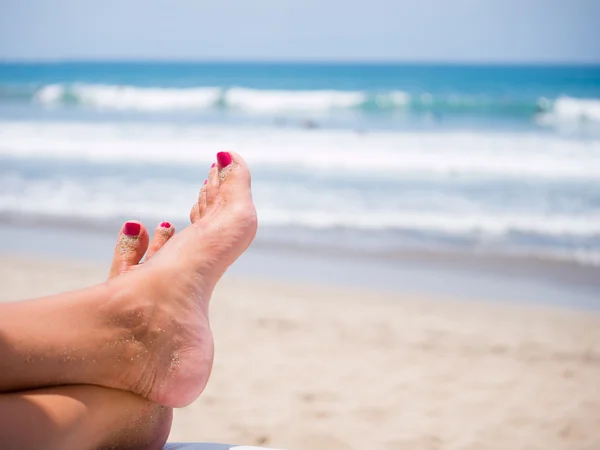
333	61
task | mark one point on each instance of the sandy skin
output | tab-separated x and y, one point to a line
147	331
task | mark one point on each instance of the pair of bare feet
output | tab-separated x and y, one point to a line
164	350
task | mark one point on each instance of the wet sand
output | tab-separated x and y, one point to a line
311	366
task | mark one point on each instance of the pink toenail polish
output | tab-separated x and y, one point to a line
213	165
205	181
132	229
224	159
165	225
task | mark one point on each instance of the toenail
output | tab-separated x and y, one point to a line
165	225
132	229
205	181
224	159
213	165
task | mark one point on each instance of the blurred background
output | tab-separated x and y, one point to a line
444	126
437	147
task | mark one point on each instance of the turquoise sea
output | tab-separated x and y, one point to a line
376	157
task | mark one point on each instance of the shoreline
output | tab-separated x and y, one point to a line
66	269
420	252
466	275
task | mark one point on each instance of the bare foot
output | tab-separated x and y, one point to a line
145	331
164	302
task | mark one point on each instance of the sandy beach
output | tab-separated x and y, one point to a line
303	366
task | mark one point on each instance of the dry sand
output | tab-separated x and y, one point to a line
321	368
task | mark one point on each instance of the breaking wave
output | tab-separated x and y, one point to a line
553	112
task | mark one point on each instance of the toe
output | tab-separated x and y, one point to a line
131	246
211	187
195	213
235	177
235	195
200	205
162	234
202	200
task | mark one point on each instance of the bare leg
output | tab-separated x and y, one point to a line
81	418
90	417
146	331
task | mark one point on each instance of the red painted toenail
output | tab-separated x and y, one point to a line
165	225
132	229
213	165
224	159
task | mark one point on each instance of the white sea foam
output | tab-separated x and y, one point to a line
569	111
50	94
130	98
103	199
565	111
116	97
337	152
152	99
281	101
483	224
95	198
458	184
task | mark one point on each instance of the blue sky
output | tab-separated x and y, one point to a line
416	30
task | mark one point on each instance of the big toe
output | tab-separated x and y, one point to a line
235	177
235	197
131	246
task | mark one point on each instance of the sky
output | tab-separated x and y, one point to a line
298	30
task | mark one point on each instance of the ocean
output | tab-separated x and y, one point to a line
378	158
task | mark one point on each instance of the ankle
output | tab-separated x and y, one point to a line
131	316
